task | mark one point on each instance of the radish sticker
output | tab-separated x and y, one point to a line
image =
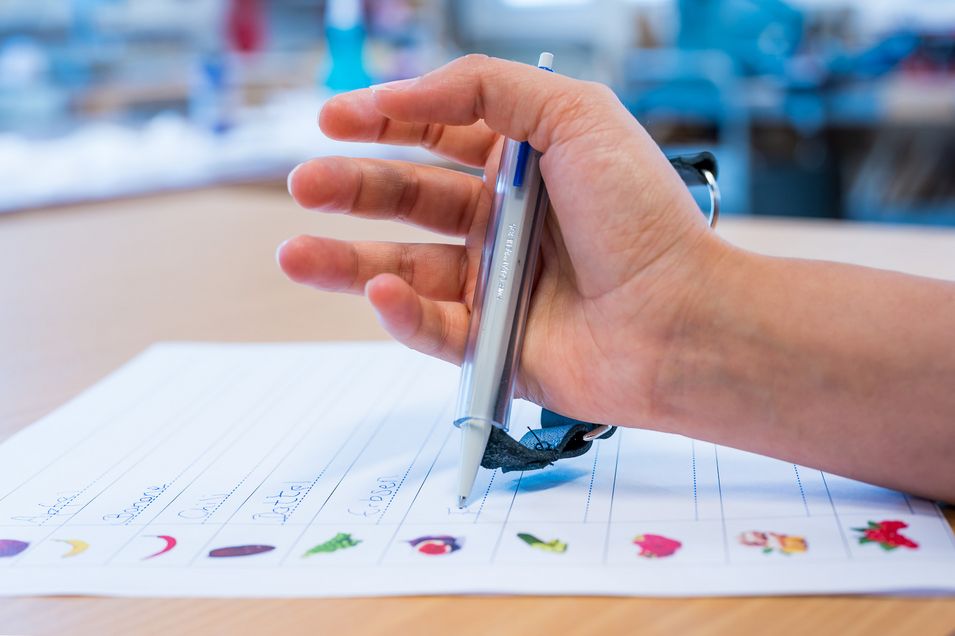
436	545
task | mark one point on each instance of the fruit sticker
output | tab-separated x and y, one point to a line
886	535
77	546
770	542
340	541
555	545
12	547
436	545
656	546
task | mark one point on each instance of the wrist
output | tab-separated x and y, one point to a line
709	374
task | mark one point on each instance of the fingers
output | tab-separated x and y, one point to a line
441	200
435	271
354	117
437	329
517	100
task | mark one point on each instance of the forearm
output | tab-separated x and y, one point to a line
843	368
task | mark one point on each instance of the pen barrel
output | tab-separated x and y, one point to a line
503	290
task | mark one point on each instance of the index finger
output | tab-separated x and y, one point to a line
355	117
518	100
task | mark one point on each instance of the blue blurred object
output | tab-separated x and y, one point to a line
720	42
878	60
345	32
699	88
28	99
211	94
345	48
758	35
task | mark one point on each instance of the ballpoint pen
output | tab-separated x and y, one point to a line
501	302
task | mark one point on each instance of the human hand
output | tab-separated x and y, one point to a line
625	252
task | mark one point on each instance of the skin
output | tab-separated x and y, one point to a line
641	315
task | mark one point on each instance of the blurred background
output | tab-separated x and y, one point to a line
825	108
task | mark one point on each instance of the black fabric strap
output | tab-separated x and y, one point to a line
691	167
561	437
558	438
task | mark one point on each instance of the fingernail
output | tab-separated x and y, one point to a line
368	284
378	316
396	85
288	181
278	251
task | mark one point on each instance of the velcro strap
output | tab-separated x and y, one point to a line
558	438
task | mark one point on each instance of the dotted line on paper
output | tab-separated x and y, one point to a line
696	505
590	489
226	498
69	502
486	493
802	491
158	495
397	488
412	465
302	498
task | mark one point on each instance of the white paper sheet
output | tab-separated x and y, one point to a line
336	462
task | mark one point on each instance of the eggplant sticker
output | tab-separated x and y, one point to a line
240	551
12	547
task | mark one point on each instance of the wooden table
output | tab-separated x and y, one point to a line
85	288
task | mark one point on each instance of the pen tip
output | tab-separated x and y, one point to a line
462	502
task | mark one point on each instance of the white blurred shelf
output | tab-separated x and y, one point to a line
102	161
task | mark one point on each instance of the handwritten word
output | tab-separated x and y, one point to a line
130	512
284	502
59	506
203	507
378	499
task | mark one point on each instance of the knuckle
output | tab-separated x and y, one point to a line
433	133
463	268
408	199
435	339
563	113
577	109
474	60
406	264
601	91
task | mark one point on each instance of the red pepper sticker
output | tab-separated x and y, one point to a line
886	534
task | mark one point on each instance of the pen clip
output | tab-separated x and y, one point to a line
545	63
523	153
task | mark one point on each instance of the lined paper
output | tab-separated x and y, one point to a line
329	469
